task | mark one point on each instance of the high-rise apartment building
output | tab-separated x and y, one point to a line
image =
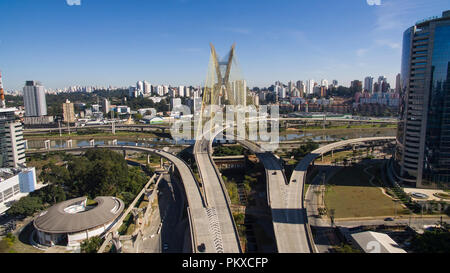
105	106
397	83
423	140
68	112
310	87
12	144
368	84
34	99
140	86
357	85
147	87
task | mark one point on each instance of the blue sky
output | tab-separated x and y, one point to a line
118	42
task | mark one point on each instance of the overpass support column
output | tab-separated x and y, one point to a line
148	158
161	162
69	143
332	153
114	142
322	157
92	142
124	153
47	144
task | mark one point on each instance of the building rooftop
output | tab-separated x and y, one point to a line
369	241
70	216
10	109
445	16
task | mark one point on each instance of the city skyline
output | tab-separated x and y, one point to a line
166	43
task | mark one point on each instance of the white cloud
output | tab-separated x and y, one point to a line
373	2
388	43
361	52
73	2
237	30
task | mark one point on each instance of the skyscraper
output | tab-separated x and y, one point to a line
68	112
423	139
105	106
397	83
310	87
34	99
357	85
140	86
368	84
147	87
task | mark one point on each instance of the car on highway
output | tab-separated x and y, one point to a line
295	180
274	173
202	247
389	219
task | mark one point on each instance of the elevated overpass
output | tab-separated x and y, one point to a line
198	212
223	227
296	185
288	220
142	127
118	127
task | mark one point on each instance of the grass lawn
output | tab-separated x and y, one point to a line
351	195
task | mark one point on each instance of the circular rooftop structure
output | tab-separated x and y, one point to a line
419	195
74	215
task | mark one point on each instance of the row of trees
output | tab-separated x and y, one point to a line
303	150
228	150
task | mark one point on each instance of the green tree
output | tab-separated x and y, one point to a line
436	241
26	206
91	245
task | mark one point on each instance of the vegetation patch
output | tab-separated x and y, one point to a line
350	194
98	172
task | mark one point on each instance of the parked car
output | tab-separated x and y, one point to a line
390	219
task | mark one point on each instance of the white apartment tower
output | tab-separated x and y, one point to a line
34	99
12	144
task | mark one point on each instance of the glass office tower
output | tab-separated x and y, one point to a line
423	140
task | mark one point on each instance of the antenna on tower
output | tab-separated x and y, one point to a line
2	93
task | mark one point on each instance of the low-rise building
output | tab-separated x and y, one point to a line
73	221
15	183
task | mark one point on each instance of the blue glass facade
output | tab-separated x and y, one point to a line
27	180
437	147
422	154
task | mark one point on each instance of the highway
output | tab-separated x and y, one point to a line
198	213
141	127
296	188
223	228
288	218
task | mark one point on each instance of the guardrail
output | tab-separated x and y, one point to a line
192	228
224	191
309	236
119	222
